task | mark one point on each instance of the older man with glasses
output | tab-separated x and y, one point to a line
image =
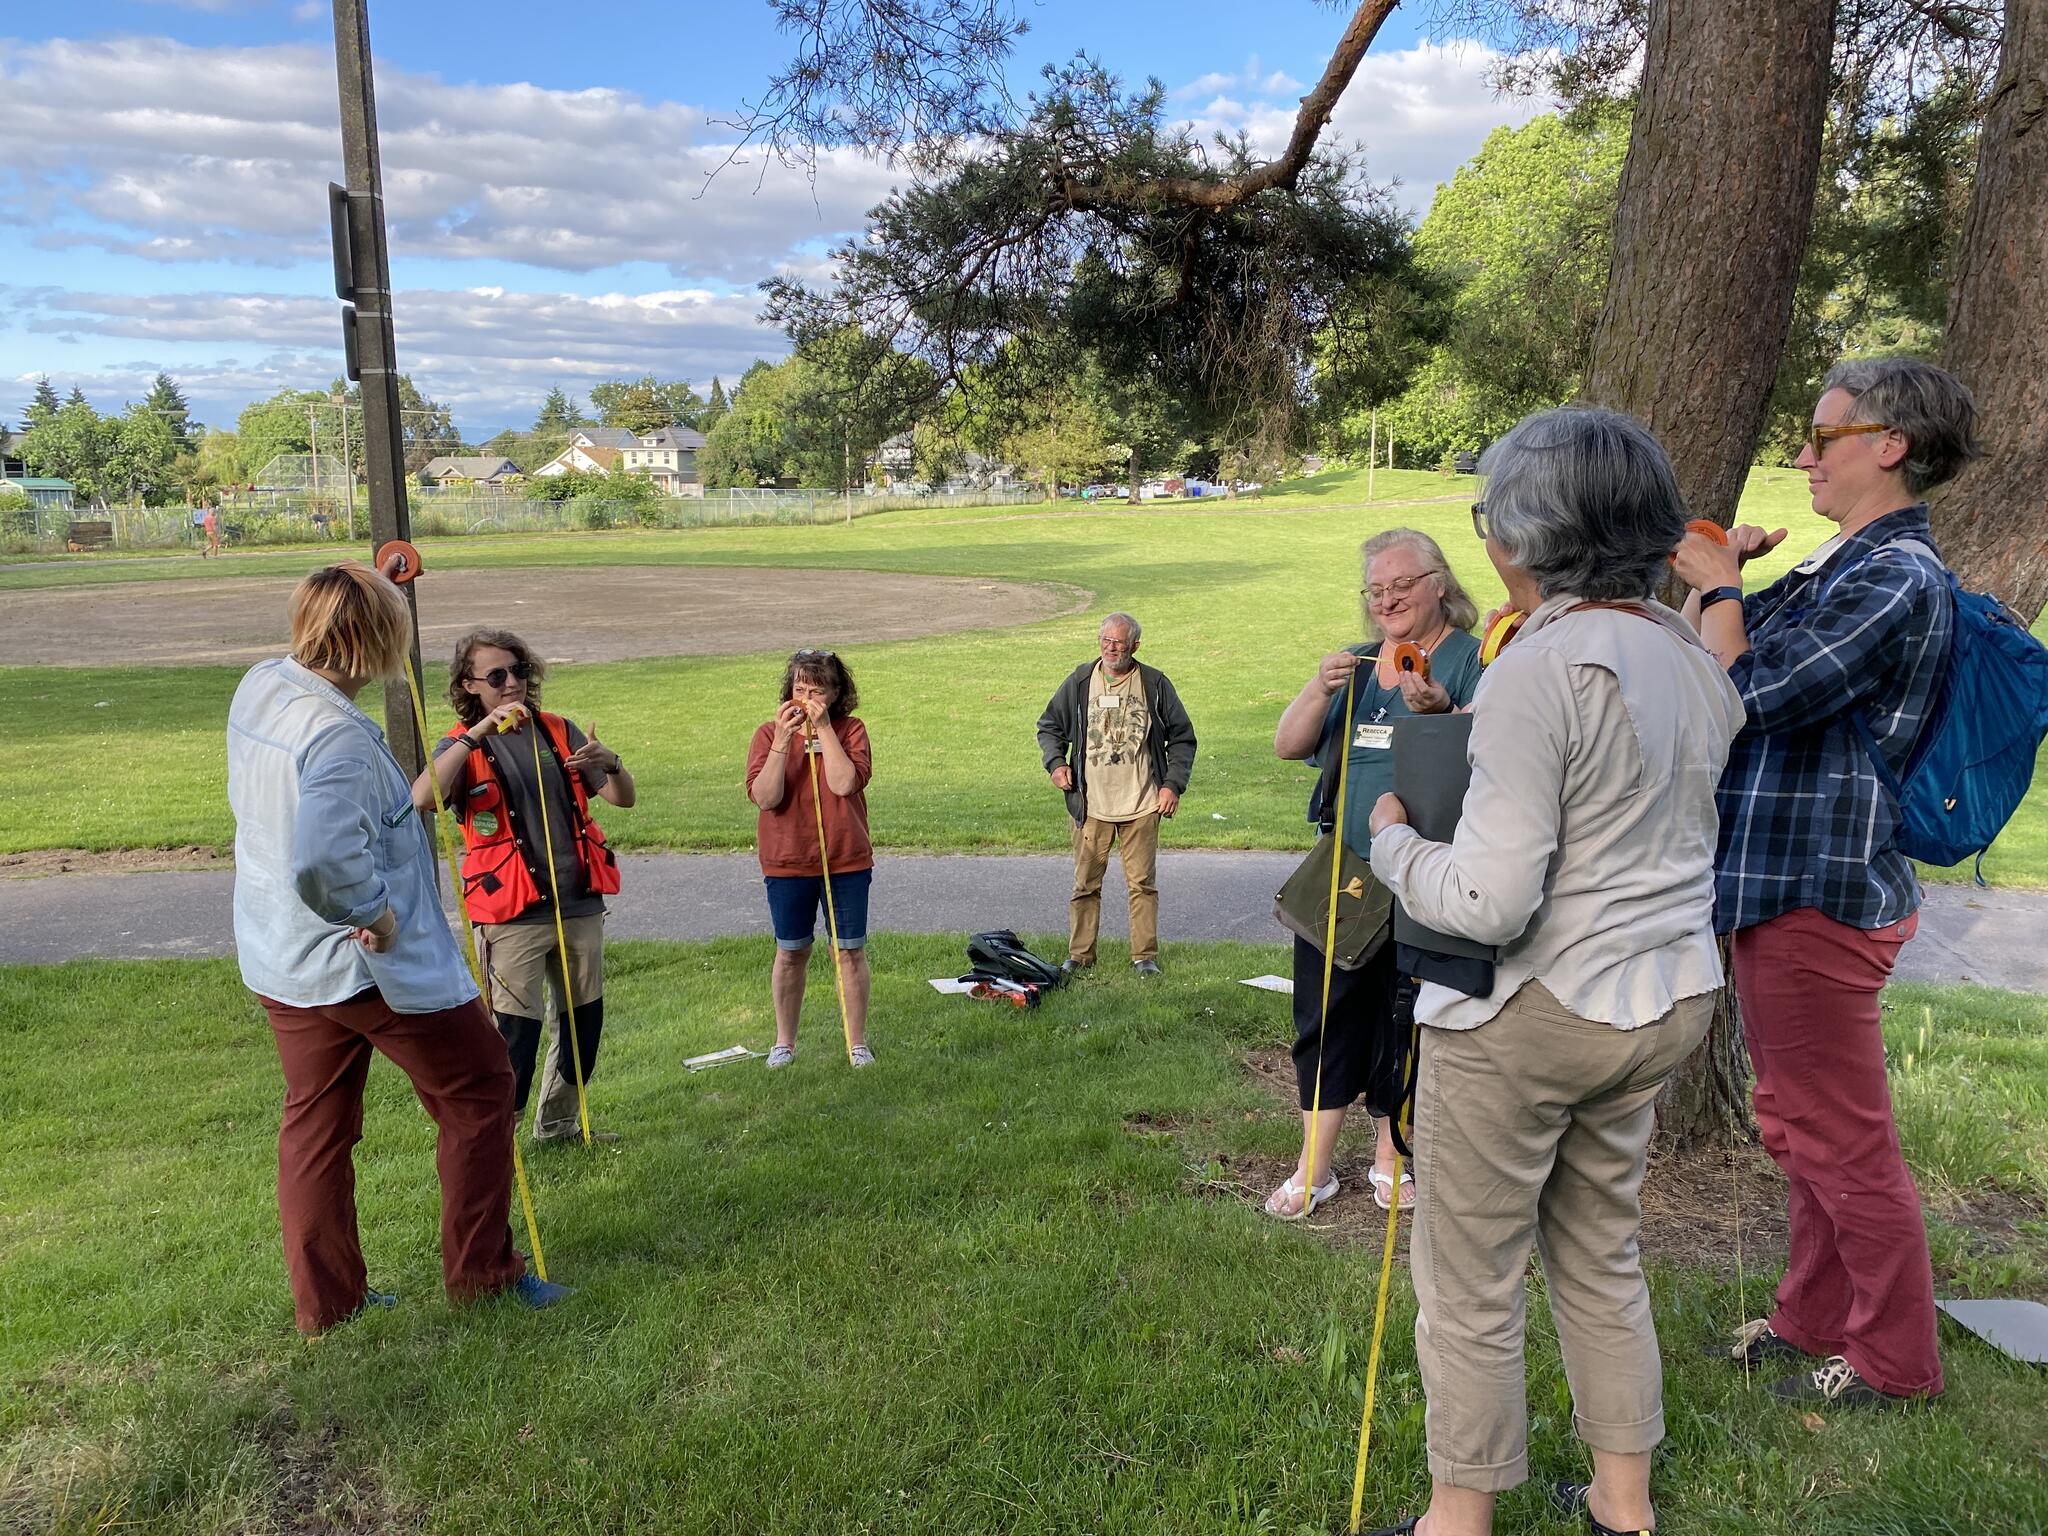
1118	744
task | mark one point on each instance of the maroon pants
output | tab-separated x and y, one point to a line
459	1069
1858	1283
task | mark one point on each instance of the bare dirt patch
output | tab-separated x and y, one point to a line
1710	1208
567	613
117	861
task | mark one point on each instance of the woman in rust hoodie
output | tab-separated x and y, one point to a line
814	738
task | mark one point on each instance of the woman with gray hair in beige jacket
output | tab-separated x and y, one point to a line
1585	852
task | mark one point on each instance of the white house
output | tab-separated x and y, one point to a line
668	457
467	469
579	458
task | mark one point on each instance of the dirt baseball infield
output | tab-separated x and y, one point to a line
567	613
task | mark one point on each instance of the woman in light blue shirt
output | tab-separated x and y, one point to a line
341	937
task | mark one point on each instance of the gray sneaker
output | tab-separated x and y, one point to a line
861	1056
781	1056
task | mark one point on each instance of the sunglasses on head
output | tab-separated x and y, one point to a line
820	655
497	675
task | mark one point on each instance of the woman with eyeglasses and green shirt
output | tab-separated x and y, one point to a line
814	739
486	767
1409	597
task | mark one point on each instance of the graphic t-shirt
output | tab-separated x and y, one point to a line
1121	784
512	755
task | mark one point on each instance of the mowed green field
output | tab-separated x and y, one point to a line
1237	599
1013	1279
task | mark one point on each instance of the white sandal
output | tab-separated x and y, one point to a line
1292	1190
1382	1188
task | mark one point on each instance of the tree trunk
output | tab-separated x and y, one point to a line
1992	521
1716	202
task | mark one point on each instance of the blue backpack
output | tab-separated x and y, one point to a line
1974	760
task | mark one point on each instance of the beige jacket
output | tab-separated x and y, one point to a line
1585	848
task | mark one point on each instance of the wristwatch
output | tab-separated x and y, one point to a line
1715	595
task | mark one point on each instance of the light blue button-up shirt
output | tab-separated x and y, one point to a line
325	840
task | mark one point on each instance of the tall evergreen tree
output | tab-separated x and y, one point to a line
558	414
44	406
715	404
168	402
76	397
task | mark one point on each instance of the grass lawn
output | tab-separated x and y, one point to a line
1238	600
997	1284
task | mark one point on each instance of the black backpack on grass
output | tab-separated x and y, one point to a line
999	953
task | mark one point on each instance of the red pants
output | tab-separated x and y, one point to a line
459	1069
1858	1283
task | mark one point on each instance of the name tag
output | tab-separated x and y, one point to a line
397	818
1112	701
812	744
1380	736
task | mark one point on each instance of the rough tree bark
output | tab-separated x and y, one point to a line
1716	203
1992	521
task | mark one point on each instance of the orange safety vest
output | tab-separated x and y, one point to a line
502	875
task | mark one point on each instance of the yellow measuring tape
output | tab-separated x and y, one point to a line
540	790
831	912
1379	1319
477	969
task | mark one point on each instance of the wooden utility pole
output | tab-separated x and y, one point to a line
363	270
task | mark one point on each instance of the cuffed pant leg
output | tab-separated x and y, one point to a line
1479	1162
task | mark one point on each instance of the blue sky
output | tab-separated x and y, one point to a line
162	166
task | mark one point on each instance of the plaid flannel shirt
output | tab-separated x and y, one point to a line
1805	819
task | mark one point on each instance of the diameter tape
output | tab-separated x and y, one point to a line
409	563
1410	657
1711	531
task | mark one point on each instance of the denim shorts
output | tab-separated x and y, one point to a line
794	902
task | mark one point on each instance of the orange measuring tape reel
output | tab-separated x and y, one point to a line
1498	634
1711	531
1410	657
408	560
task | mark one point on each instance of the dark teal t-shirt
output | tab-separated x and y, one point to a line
1454	663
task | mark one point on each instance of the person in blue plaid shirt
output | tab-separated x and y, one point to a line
1810	884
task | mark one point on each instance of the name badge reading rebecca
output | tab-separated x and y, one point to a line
1380	736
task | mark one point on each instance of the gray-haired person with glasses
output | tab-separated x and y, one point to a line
1585	852
1839	663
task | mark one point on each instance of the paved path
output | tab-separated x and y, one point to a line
1992	937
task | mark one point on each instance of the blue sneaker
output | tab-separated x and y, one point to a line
378	1299
532	1291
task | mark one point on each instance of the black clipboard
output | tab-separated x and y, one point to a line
1432	771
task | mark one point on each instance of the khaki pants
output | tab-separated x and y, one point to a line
525	970
1533	1129
1138	844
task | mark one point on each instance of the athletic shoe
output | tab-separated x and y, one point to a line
1576	1498
781	1056
1145	967
529	1290
1756	1343
861	1056
1836	1384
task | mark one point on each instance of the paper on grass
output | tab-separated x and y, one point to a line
719	1058
951	985
1278	984
2018	1327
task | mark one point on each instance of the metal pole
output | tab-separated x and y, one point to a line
313	440
370	275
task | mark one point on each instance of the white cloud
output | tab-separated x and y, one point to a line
1420	112
106	144
491	353
1251	79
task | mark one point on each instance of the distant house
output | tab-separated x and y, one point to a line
43	490
583	459
463	469
603	437
895	461
668	457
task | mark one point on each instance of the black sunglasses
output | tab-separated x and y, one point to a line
497	675
824	655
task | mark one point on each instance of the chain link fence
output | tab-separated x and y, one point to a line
290	517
